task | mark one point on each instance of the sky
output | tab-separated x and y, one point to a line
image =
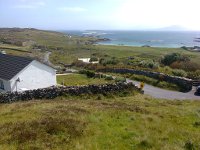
100	14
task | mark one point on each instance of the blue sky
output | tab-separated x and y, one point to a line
99	14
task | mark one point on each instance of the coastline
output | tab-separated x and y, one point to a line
144	46
192	49
157	39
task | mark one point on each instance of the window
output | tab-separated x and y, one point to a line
1	85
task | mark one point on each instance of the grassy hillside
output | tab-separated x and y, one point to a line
11	40
134	122
120	52
41	37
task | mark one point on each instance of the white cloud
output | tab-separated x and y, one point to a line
158	13
29	5
72	9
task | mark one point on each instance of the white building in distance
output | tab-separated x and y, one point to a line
87	60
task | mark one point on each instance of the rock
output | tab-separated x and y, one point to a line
146	46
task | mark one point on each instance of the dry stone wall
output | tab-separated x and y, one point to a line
184	83
53	92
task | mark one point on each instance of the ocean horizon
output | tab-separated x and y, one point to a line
168	39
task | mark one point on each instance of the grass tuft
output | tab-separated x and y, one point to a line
144	144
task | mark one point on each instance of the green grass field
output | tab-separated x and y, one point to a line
79	79
50	39
120	52
134	122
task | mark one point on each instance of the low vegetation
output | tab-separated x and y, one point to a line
79	79
148	80
154	82
177	64
133	122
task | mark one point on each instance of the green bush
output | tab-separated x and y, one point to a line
166	70
108	78
189	146
109	61
120	79
187	66
154	82
179	72
90	74
171	58
82	71
93	59
194	75
149	64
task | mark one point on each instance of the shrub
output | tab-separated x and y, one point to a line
144	144
93	59
90	74
120	79
176	65
155	82
189	146
149	64
166	70
112	62
109	61
194	75
187	66
197	124
171	58
82	71
79	63
179	72
101	61
108	78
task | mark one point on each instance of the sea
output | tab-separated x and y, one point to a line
170	39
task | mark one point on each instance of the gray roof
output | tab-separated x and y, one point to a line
12	65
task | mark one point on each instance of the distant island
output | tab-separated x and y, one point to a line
173	28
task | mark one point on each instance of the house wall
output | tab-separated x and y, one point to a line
36	75
7	86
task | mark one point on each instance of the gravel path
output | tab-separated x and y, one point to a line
167	94
46	58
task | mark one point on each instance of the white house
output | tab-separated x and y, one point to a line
20	73
87	60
